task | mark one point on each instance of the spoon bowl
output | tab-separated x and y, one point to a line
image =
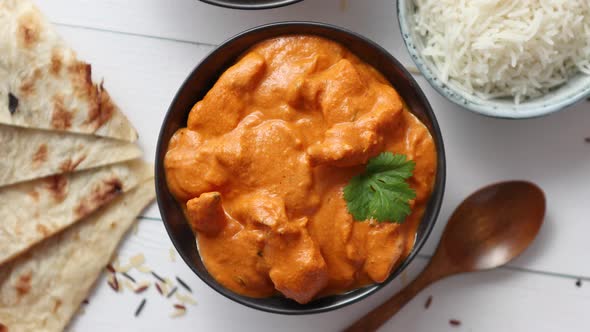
488	229
493	225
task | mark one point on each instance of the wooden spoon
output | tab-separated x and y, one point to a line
490	228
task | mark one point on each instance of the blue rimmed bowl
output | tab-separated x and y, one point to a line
575	90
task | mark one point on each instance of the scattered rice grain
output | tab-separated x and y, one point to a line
183	284
178	313
172	292
158	277
159	289
143	269
137	260
126	275
141	289
172	253
140	308
186	299
129	285
114	283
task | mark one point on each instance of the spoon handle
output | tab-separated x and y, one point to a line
376	317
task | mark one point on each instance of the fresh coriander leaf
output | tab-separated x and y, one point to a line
382	191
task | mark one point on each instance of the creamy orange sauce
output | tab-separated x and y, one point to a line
261	166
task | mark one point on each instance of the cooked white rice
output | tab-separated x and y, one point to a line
505	48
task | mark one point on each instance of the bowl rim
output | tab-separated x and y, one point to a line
471	102
438	189
229	4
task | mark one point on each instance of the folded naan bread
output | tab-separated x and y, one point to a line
44	85
34	210
41	290
31	153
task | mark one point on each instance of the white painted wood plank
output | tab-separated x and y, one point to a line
549	151
499	300
196	21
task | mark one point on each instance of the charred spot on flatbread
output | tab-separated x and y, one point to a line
56	185
12	106
105	109
56	304
56	62
80	75
34	194
70	165
101	195
40	155
61	118
3	328
18	229
27	88
43	230
29	29
23	283
100	105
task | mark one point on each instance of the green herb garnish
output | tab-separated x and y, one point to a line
382	192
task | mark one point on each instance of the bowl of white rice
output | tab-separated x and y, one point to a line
501	58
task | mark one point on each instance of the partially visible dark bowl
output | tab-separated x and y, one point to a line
251	4
202	79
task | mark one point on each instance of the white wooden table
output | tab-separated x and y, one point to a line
145	48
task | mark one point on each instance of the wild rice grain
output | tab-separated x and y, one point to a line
128	276
140	308
114	283
172	292
183	284
158	277
141	289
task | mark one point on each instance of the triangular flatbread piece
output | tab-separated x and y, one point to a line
35	210
36	292
44	85
27	154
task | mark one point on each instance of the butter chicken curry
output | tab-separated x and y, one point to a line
261	167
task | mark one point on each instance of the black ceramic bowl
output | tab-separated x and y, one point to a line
202	79
251	4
